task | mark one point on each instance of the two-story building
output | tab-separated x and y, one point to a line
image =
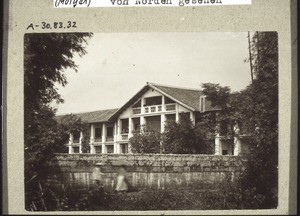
153	105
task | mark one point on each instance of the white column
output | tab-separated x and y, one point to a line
103	133
237	145
129	133
103	149
162	122
103	138
142	120
162	117
71	151
192	117
218	145
71	137
115	131
80	142
92	149
119	129
92	139
130	127
116	150
177	113
163	102
142	105
142	123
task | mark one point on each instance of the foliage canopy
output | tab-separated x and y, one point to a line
46	56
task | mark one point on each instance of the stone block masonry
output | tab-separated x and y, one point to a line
145	171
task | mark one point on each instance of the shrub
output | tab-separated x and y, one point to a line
149	141
185	138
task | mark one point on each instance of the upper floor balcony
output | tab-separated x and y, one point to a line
154	109
101	140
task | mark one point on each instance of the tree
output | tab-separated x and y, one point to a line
219	96
46	56
235	107
149	141
71	124
185	138
256	107
262	172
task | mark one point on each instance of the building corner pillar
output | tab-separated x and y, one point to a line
92	149
192	117
103	133
237	145
218	145
80	142
162	122
177	113
71	150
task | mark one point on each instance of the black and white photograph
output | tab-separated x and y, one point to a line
148	121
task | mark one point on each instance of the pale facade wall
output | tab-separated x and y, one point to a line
126	113
121	138
182	109
237	146
152	93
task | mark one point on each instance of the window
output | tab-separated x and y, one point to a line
110	149
124	148
98	149
153	101
110	131
125	125
168	100
136	124
76	137
224	152
154	122
98	132
76	149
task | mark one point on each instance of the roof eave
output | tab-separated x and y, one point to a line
169	96
126	104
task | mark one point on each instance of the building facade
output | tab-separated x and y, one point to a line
154	105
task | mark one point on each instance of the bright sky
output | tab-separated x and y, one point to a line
118	65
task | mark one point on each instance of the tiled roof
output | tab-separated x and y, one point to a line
189	97
94	116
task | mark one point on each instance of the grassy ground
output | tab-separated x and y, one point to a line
97	199
161	200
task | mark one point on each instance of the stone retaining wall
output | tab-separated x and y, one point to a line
149	171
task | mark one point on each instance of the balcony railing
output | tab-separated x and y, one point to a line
124	136
170	107
136	110
106	139
109	138
98	139
154	109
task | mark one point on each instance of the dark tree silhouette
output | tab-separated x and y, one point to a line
46	56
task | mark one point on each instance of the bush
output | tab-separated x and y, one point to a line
69	198
149	141
185	138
